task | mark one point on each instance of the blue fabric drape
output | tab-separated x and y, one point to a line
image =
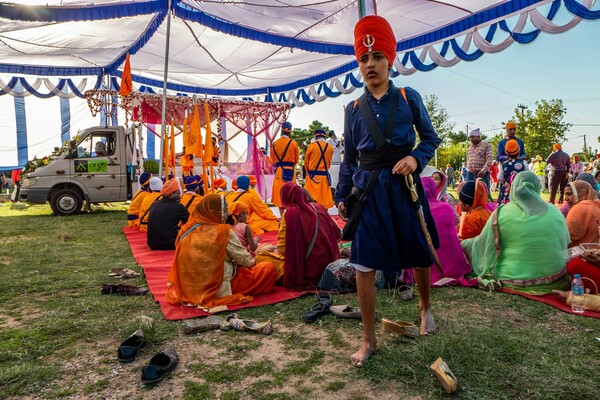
21	120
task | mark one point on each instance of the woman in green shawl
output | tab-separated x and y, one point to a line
520	244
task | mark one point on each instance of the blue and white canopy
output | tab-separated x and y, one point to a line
297	51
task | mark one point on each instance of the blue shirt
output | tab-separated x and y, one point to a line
357	137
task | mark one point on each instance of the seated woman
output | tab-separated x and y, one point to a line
308	239
514	249
583	219
203	273
441	183
472	197
450	254
589	178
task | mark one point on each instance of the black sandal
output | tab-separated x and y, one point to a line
316	311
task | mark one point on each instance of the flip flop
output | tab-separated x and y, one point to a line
159	366
265	328
442	372
316	311
400	328
123	273
324	297
206	324
345	311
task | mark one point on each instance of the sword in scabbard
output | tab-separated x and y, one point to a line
410	183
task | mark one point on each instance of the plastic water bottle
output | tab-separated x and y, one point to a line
577	292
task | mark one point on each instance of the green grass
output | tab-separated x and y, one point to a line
59	335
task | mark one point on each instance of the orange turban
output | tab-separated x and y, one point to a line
238	207
374	33
234	184
252	180
170	187
512	147
219	183
511	125
556	147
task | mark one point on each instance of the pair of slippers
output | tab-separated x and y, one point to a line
325	306
232	321
123	273
159	366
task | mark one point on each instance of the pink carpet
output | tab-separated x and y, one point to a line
156	265
552	300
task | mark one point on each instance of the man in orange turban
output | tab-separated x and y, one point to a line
388	236
559	164
218	186
511	131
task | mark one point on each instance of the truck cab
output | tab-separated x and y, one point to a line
96	167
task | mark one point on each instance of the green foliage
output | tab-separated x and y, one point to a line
303	136
542	128
440	119
151	166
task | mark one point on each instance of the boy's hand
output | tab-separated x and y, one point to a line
405	166
341	206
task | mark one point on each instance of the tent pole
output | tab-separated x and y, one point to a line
164	98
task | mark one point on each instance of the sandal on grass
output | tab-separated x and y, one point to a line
442	372
210	323
123	273
316	311
264	328
399	328
345	311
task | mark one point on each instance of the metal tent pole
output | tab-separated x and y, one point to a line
164	99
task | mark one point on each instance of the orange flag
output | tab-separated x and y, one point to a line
185	132
195	137
208	147
172	147
126	81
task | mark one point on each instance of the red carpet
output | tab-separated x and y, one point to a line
156	265
554	301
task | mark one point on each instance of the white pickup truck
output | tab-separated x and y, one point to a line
96	167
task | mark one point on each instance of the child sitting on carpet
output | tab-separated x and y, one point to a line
472	197
239	211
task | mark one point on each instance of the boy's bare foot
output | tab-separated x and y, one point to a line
427	323
359	358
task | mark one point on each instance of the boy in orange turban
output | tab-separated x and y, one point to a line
509	169
388	236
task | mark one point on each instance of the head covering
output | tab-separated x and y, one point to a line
512	147
538	157
219	183
144	179
576	157
190	183
589	178
170	187
374	33
443	188
583	191
156	184
525	193
252	180
234	185
200	253
556	146
466	193
238	207
243	182
511	125
286	128
475	132
300	219
320	132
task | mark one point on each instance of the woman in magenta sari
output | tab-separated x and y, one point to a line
452	258
310	238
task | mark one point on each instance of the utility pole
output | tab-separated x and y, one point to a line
522	107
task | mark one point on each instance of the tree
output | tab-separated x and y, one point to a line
303	136
439	116
542	128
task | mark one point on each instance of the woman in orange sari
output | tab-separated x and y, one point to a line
211	267
472	197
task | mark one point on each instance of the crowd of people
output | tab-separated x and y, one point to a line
403	223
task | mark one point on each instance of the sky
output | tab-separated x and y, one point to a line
484	93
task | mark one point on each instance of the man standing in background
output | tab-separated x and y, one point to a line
336	160
558	167
479	158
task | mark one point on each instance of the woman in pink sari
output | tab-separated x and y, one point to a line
452	258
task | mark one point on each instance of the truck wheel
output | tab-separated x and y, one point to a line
66	202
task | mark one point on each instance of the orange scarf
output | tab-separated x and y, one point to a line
197	271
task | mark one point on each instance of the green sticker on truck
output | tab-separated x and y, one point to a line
82	166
